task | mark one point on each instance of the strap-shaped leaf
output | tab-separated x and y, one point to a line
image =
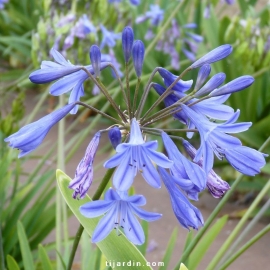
28	262
12	264
45	261
115	248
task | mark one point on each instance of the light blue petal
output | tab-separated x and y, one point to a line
234	128
111	195
96	208
125	173
50	74
138	200
145	215
105	225
159	158
116	159
59	58
133	229
149	172
135	133
67	83
153	145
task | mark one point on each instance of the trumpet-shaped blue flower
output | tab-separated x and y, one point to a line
187	214
215	184
84	172
136	155
213	136
29	137
188	175
71	77
120	210
245	160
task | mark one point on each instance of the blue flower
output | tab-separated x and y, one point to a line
214	137
84	172
109	38
215	184
2	2
136	155
83	27
188	175
120	210
244	159
187	214
71	77
29	137
155	13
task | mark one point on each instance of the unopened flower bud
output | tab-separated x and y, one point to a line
213	56
138	56
127	42
233	86
95	56
115	136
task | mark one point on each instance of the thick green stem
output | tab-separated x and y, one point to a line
213	215
95	197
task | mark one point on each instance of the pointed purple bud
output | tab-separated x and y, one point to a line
95	56
233	86
29	137
212	84
115	136
84	172
138	56
202	76
127	42
215	184
213	56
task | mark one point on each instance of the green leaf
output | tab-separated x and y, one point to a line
12	264
114	248
25	249
169	250
206	241
45	261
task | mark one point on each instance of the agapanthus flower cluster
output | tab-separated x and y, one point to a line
198	108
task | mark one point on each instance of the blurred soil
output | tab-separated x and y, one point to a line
256	257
